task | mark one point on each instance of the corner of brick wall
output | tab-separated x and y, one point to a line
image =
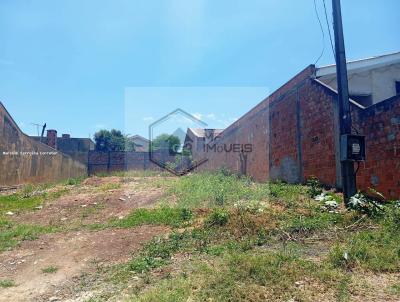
380	124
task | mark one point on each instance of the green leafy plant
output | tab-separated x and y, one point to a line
50	270
7	283
186	214
314	187
365	205
218	217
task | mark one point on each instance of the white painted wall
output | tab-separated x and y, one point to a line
380	81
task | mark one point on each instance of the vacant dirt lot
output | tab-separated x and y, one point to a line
75	250
202	237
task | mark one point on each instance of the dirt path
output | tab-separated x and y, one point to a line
73	252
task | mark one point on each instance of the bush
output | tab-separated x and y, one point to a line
314	187
186	214
218	217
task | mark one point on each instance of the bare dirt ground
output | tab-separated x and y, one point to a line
74	252
90	205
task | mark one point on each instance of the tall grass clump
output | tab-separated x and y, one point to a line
216	190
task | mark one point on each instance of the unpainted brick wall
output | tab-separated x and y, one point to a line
258	128
105	162
317	133
381	126
295	136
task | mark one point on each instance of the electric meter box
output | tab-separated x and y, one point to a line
352	147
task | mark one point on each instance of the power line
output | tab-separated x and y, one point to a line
329	30
322	31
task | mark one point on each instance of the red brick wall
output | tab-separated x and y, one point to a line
121	161
317	133
381	126
283	139
52	138
294	138
258	127
251	132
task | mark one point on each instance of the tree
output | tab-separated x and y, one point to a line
112	140
165	141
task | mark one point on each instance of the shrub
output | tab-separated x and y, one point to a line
7	283
314	187
186	214
218	217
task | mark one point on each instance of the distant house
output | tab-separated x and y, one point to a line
141	144
75	147
197	139
371	80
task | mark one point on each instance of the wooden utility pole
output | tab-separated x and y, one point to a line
347	167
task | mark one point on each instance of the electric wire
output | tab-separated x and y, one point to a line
322	31
329	30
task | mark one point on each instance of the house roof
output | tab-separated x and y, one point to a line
363	64
139	137
200	132
336	92
82	139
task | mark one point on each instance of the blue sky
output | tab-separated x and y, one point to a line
74	63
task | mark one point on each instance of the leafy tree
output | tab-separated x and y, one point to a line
112	140
166	141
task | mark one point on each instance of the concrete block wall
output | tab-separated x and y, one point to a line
40	163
